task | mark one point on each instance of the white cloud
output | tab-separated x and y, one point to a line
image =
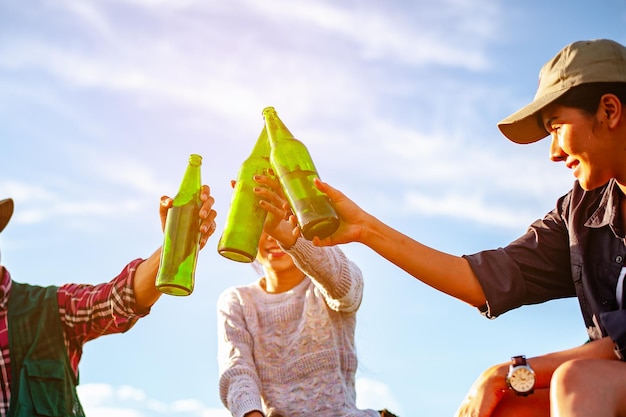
95	394
403	35
103	400
467	207
172	66
131	393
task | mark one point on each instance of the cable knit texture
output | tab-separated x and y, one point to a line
292	354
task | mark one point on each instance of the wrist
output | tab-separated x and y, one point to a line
369	229
521	377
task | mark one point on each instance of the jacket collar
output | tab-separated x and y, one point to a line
607	212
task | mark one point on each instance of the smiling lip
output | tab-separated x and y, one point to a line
571	164
275	252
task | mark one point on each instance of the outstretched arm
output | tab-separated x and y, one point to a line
444	272
146	293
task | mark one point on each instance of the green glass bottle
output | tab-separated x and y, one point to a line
181	240
293	165
245	220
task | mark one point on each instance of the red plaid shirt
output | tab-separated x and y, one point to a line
86	311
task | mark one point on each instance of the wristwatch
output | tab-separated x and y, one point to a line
521	377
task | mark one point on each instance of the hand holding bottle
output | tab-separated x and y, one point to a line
181	235
353	219
207	214
280	223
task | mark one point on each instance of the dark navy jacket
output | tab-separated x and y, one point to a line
577	249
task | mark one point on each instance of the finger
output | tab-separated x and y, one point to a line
267	180
211	229
205	192
270	196
332	193
293	220
208	221
207	231
271	208
206	209
164	206
271	182
166	201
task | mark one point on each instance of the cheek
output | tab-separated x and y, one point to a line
570	141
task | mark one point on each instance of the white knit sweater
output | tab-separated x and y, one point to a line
292	354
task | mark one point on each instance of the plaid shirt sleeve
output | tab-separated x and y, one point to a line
90	311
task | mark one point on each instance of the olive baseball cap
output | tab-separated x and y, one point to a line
6	210
582	62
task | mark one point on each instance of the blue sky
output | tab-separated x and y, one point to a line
101	102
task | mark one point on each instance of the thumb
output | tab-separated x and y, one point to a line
166	203
331	192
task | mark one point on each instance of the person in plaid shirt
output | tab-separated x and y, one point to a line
43	330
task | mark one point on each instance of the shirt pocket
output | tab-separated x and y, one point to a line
44	387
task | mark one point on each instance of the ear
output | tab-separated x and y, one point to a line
611	110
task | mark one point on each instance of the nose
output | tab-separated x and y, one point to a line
556	152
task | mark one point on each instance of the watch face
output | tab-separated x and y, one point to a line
522	379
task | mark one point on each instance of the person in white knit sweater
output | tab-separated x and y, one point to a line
286	342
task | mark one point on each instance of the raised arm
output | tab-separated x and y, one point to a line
447	273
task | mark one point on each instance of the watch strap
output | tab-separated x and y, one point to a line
519	360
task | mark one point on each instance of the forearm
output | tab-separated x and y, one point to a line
545	365
340	280
146	293
239	383
444	272
324	264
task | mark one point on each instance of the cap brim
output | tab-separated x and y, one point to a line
523	126
6	211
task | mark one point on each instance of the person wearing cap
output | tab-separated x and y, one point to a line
43	329
576	250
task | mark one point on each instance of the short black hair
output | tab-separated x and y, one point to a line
586	97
